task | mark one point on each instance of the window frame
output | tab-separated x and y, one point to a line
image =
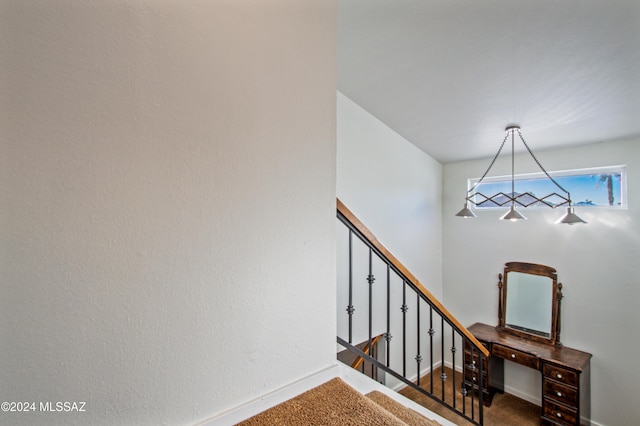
557	175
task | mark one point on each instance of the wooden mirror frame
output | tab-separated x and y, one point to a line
534	269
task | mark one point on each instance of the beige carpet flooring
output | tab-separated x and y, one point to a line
335	404
409	417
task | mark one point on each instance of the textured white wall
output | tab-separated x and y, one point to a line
168	203
597	264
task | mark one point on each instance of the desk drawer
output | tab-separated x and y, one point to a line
471	382
562	375
561	393
468	361
559	413
523	358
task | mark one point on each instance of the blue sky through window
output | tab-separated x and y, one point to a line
587	187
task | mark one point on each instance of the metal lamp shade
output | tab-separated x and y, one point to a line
513	215
570	217
466	212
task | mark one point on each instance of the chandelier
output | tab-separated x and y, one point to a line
525	199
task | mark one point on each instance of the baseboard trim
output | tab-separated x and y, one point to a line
414	378
529	398
251	408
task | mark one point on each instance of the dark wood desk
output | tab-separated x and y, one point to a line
566	388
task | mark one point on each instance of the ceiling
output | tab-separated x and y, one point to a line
450	75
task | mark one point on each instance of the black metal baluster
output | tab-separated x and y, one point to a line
443	375
388	333
480	387
453	365
374	354
431	333
404	308
474	380
464	376
350	308
370	280
418	356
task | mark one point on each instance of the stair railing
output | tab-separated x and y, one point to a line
429	336
370	350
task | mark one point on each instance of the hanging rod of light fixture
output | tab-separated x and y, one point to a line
525	199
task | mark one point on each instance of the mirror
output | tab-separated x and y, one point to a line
529	302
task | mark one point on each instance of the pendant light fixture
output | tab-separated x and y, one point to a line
523	200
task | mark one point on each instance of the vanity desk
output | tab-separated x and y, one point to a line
565	371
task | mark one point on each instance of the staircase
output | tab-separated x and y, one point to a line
378	296
347	400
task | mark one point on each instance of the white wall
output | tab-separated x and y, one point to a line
596	263
168	201
393	188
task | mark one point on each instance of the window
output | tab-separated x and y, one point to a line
594	187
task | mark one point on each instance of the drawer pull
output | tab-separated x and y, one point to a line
513	355
559	394
559	376
559	415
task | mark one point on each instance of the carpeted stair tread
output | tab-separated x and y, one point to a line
405	414
333	403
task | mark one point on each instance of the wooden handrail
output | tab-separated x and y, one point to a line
410	277
358	362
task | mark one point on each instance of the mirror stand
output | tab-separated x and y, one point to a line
529	302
